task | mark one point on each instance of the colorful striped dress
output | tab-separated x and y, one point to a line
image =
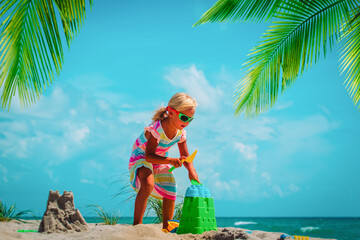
165	185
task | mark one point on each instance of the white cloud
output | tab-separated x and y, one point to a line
248	151
91	171
277	190
194	82
78	135
4	172
325	110
73	112
47	108
103	105
13	144
50	173
303	135
86	181
283	105
260	129
135	117
249	154
294	188
222	189
306	127
267	177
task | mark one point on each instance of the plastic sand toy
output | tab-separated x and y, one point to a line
198	213
188	159
27	230
301	237
173	225
284	236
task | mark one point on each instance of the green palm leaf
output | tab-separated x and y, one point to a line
301	31
350	56
240	10
30	45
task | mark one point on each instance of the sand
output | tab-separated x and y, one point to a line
8	230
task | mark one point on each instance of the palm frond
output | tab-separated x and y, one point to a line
72	15
30	45
301	31
240	10
350	56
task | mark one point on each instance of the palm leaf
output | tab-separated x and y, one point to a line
301	31
30	45
350	56
240	10
72	15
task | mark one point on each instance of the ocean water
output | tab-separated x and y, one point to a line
335	228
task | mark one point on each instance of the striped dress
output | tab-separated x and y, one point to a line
165	185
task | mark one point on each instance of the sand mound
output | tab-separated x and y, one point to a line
8	231
61	215
225	234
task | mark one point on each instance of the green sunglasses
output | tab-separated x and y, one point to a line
182	116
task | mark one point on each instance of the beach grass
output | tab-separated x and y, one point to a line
109	218
153	204
157	204
8	214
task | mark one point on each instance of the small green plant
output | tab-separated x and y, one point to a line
109	218
157	204
178	209
8	214
152	204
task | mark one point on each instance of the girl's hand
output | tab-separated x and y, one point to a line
176	162
193	175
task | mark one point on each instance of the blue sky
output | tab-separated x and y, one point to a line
301	158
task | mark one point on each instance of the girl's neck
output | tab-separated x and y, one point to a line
169	129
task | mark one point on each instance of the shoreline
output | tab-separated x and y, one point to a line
8	230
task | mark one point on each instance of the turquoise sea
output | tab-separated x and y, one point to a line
336	228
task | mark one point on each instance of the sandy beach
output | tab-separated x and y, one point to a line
8	230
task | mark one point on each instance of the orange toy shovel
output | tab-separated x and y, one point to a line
188	159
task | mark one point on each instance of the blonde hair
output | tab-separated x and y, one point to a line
179	102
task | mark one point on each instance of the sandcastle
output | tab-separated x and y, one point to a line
198	213
61	215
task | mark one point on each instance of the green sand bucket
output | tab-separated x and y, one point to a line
198	213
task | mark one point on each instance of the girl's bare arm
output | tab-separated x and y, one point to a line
152	157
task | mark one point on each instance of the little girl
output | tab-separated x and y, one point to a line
149	162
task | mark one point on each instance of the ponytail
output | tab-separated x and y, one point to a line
160	114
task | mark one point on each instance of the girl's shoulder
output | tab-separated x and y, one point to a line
154	125
154	128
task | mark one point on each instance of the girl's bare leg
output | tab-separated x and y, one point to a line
168	211
147	184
